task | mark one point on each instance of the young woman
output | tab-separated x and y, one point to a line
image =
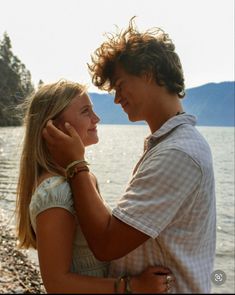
46	216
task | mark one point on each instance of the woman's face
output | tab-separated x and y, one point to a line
79	113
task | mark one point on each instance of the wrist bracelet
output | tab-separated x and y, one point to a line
75	170
75	163
117	283
127	280
127	286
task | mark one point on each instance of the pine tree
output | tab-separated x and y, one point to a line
40	83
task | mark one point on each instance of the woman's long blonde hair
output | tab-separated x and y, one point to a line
47	103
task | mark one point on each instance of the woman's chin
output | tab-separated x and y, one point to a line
91	142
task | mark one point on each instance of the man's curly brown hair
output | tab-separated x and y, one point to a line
151	52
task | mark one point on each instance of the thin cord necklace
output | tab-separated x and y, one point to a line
179	113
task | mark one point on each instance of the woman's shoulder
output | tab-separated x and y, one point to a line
52	191
51	180
47	178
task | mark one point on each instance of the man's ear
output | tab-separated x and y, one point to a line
148	77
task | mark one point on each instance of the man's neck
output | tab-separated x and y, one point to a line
161	106
162	116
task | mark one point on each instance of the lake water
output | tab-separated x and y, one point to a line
112	160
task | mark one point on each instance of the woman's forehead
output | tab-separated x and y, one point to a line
80	100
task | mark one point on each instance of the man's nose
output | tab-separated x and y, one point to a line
117	97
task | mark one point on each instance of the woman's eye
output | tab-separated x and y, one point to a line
85	111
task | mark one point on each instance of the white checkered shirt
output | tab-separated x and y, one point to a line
171	198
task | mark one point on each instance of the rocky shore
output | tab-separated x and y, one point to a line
18	273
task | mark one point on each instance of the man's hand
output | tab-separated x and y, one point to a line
63	147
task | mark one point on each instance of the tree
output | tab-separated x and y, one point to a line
15	84
40	83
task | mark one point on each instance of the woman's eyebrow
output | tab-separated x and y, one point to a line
86	106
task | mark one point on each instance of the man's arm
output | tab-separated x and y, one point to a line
108	237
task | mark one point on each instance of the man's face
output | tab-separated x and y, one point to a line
131	94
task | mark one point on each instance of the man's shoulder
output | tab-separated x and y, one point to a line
184	139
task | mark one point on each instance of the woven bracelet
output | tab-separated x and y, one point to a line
75	170
75	163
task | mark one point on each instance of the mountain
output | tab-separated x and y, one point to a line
212	104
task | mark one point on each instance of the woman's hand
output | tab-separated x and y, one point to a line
155	279
64	148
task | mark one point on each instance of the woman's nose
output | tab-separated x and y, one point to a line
95	118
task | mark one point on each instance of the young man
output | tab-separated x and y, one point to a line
167	215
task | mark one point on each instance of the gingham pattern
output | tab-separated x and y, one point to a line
171	198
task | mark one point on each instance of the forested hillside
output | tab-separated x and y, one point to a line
15	84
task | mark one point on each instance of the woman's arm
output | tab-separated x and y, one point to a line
55	233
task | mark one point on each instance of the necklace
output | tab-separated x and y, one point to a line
179	113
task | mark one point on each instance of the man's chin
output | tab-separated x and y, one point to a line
132	119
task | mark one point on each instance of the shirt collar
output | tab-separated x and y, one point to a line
168	126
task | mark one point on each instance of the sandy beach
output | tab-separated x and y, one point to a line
18	274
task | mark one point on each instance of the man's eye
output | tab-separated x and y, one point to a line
118	88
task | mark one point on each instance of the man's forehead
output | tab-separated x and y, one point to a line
118	74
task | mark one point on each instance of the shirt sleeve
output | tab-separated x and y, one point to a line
154	196
52	194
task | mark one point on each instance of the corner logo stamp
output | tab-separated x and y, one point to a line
218	277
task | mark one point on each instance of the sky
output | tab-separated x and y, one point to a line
55	38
